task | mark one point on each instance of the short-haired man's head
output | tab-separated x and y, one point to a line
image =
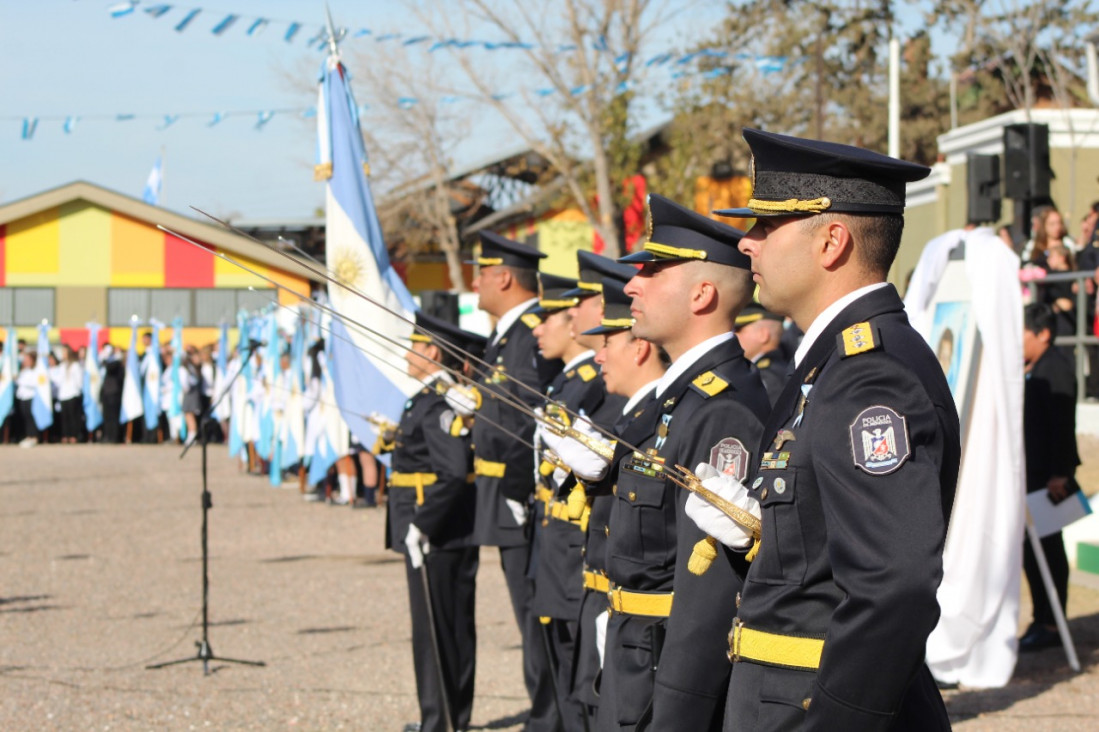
876	237
524	278
734	285
1039	317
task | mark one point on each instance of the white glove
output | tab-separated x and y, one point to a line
601	621
382	427
560	475
711	519
417	545
586	463
463	400
518	511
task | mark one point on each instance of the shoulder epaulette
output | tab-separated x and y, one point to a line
858	338
587	372
530	320
710	384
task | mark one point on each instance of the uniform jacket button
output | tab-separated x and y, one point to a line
763	495
633	496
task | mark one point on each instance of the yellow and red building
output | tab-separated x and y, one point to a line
81	253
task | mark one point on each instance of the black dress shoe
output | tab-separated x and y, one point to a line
1038	637
412	727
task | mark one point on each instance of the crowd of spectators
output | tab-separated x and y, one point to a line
1051	250
355	479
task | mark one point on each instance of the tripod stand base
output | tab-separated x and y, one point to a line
205	654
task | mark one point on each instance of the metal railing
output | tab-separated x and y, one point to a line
1084	318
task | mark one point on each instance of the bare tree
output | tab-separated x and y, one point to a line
584	56
412	131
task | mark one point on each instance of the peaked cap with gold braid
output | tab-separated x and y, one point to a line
678	234
616	309
495	249
792	176
594	269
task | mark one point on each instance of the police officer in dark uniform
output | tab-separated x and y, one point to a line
709	408
857	468
631	368
760	334
430	521
560	501
507	285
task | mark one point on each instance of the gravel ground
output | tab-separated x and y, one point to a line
100	574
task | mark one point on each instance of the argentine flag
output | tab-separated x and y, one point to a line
150	374
221	376
133	406
266	444
238	399
327	436
357	257
93	381
42	402
153	184
177	426
9	368
292	433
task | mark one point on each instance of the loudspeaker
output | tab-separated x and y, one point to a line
441	304
982	178
1026	162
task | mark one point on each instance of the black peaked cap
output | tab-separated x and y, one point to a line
430	329
593	269
552	293
792	176
616	309
677	233
753	312
496	249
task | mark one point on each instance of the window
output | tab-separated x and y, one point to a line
203	308
7	306
125	302
32	305
167	305
214	306
253	300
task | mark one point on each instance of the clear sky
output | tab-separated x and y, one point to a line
65	58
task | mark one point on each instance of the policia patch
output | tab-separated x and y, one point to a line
879	440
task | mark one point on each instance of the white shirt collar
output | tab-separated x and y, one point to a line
688	359
826	317
577	359
639	395
508	319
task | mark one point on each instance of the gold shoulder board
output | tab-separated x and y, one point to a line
859	338
530	320
587	372
710	383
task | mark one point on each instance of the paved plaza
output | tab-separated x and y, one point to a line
100	575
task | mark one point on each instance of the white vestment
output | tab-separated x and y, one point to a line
974	643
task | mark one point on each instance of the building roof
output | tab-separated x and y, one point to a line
200	231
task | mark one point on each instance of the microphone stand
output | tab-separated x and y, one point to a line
205	652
